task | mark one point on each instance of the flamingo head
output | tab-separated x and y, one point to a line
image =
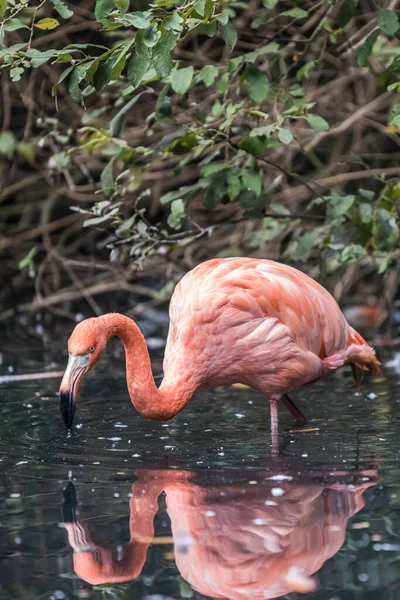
85	347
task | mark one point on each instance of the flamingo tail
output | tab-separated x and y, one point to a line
357	352
361	354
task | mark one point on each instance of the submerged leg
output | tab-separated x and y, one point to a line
296	412
354	369
273	402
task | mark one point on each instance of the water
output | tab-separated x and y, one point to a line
197	507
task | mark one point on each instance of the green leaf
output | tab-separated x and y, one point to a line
7	144
208	170
63	76
64	57
305	70
384	263
208	10
199	7
390	195
119	64
161	54
181	80
394	111
107	179
385	230
12	50
204	8
40	58
235	63
304	246
99	220
183	144
252	181
62	10
317	122
270	3
297	13
177	214
215	191
152	36
340	205
138	19
102	76
250	57
368	194
228	34
208	74
388	21
346	12
250	203
234	186
222	84
395	122
92	68
352	252
3	8
208	29
139	64
223	17
103	9
366	212
180	193
285	136
174	21
110	25
60	160
253	145
73	84
365	51
257	84
27	261
122	5
16	73
26	150
14	24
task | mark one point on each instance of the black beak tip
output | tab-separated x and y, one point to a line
67	408
70	504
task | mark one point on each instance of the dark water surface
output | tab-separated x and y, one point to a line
197	508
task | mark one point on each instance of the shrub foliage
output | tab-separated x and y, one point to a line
275	122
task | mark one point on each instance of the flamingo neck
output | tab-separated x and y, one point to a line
154	403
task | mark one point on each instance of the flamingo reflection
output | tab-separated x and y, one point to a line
251	540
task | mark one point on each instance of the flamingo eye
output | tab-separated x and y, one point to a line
91	349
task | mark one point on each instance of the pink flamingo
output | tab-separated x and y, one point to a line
233	320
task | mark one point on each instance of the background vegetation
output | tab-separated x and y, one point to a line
140	138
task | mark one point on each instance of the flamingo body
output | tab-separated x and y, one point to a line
257	322
234	320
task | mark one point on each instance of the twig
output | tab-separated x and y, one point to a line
31	376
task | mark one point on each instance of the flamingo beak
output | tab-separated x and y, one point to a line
70	384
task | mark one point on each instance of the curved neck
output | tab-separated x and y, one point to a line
155	403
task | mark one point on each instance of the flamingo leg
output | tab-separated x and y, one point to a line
273	402
353	368
296	412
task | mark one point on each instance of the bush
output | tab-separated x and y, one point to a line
270	126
